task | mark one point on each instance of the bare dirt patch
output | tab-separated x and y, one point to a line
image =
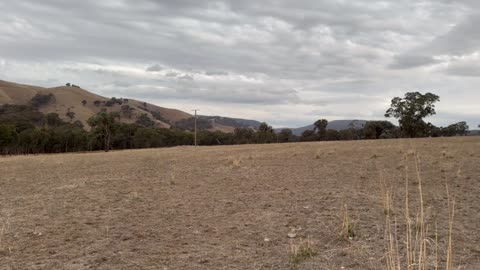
234	207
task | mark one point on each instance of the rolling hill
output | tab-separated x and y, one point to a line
86	104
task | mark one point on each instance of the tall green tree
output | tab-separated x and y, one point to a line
308	136
265	134
379	130
321	129
8	136
243	136
103	126
285	135
411	110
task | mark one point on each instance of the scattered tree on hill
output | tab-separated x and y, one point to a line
411	110
70	114
42	99
54	120
126	111
145	121
68	85
84	102
114	101
97	103
159	116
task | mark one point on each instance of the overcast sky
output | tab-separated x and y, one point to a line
285	62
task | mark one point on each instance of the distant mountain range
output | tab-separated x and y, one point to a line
336	125
232	122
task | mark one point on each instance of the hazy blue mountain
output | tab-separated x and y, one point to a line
232	122
336	124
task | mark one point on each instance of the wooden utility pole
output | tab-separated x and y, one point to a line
195	136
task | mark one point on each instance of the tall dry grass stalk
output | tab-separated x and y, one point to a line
386	192
5	224
348	230
417	249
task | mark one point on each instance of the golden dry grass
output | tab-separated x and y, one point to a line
233	207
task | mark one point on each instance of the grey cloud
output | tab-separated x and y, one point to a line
349	54
238	95
154	68
412	61
464	38
467	69
461	39
216	73
172	74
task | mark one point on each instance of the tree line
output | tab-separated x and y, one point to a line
25	130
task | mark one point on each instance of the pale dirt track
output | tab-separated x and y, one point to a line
213	207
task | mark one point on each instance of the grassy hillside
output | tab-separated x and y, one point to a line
71	98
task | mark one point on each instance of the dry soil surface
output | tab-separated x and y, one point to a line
233	207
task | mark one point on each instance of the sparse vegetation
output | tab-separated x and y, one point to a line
145	121
40	100
127	111
301	251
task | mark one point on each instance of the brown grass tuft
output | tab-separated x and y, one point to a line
301	251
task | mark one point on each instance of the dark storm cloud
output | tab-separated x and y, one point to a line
325	52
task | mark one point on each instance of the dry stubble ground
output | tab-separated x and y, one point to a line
215	207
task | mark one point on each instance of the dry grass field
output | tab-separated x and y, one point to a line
279	206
